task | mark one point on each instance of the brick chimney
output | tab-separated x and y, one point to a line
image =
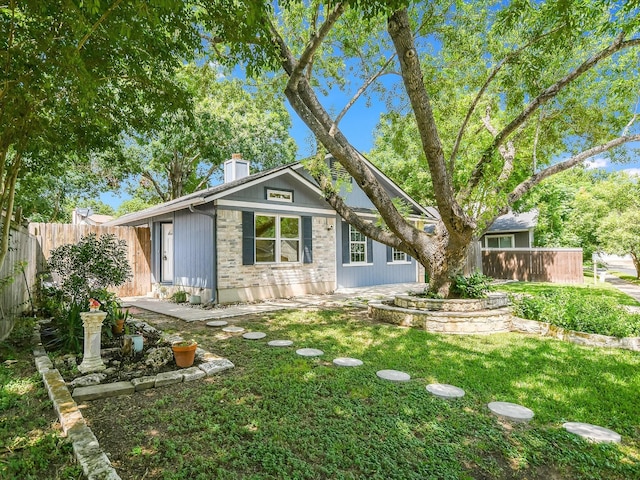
235	168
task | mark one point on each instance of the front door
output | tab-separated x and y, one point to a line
166	264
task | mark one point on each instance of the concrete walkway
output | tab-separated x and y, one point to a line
340	298
625	287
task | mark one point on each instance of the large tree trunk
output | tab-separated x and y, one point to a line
446	260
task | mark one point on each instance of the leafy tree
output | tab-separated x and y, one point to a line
501	96
186	148
78	73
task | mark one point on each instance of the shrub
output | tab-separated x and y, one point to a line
92	264
475	285
599	315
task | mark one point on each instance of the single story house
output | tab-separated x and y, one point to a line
269	235
513	230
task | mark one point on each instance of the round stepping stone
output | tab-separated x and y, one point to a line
233	329
217	323
309	352
280	343
511	411
347	362
443	390
254	335
593	433
393	375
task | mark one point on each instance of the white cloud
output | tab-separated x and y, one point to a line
596	163
633	172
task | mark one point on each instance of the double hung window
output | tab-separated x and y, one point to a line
277	239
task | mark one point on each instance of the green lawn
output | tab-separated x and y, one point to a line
31	443
278	415
585	291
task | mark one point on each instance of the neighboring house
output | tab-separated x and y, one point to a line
85	216
268	235
513	230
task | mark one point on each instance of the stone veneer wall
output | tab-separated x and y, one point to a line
242	283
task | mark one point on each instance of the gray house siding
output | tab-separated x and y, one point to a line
521	239
193	250
302	195
379	272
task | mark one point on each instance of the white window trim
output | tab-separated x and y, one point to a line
363	242
406	260
278	239
513	241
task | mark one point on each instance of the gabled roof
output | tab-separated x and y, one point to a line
219	191
513	222
200	197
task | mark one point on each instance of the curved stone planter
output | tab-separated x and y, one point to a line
497	320
493	301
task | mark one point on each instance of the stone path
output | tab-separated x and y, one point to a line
393	375
511	411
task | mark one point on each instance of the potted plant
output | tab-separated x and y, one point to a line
195	299
118	319
184	352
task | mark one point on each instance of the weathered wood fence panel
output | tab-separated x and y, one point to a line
53	235
20	266
534	264
474	259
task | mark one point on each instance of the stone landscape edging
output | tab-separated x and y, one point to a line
545	329
86	448
500	320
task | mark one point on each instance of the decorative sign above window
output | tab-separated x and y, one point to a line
285	196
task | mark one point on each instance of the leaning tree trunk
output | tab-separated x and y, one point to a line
447	260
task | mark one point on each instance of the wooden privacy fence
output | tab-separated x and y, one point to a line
534	264
19	273
53	235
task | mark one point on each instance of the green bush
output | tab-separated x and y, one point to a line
475	285
90	266
599	315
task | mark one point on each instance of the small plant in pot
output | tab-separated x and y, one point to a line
184	352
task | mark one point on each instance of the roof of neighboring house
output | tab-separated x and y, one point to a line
513	222
213	193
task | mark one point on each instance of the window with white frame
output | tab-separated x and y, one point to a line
277	239
357	246
398	256
499	241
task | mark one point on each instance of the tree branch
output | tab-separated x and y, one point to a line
508	153
535	179
314	42
163	196
361	90
451	213
484	87
95	26
549	93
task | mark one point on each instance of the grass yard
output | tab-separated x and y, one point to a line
31	442
584	292
278	415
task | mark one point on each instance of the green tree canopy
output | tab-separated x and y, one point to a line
498	96
185	148
78	73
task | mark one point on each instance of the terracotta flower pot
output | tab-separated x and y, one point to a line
184	353
117	327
